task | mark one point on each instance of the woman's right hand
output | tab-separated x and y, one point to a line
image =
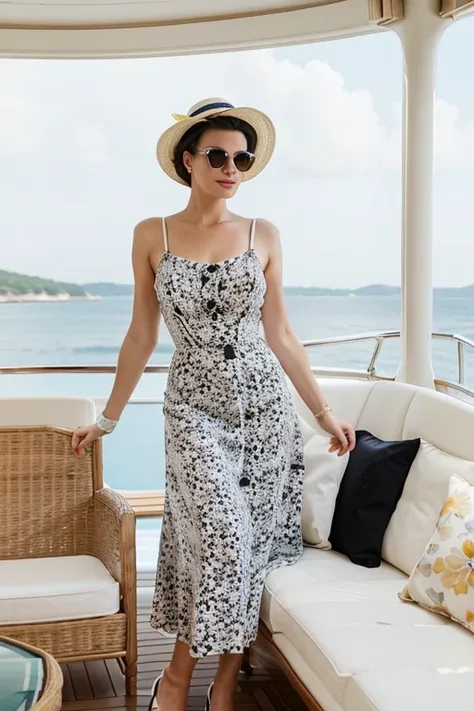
83	436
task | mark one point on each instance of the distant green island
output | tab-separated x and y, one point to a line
374	290
21	287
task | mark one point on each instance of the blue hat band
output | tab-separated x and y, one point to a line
210	107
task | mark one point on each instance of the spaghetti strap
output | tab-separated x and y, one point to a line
252	233
165	234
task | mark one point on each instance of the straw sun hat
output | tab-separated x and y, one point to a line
217	107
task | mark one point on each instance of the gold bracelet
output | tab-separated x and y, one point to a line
323	412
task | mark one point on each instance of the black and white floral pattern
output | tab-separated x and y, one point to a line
234	457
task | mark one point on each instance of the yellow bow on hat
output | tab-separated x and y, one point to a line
179	117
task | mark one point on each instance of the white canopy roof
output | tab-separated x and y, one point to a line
93	13
114	28
91	28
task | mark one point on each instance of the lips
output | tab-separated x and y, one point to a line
226	183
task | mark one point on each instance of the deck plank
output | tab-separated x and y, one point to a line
116	676
68	689
100	681
80	681
100	686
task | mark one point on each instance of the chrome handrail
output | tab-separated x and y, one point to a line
379	339
461	342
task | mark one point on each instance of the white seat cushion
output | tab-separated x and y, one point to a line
304	582
385	410
418	689
54	589
345	620
320	593
69	412
442	420
307	676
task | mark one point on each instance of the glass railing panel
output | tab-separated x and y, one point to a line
469	367
445	365
134	458
148	540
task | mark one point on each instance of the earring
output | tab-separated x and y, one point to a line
190	170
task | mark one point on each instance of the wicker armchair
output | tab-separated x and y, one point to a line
53	504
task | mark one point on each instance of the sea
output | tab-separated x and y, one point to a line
91	332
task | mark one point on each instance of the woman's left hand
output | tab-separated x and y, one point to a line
343	439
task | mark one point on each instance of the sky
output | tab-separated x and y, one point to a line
78	167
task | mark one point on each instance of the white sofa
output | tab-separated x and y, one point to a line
341	629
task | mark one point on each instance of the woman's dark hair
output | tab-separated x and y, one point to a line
190	139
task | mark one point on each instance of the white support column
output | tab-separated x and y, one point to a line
419	34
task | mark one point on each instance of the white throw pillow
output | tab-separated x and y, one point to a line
323	475
417	513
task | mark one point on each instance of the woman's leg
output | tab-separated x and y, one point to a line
174	685
225	682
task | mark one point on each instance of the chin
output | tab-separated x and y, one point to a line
225	192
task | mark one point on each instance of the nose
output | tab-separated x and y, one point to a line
229	168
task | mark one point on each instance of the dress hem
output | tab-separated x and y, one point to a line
235	649
213	652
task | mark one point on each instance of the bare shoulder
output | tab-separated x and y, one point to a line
148	228
148	239
267	238
267	232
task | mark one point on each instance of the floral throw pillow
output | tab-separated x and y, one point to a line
443	580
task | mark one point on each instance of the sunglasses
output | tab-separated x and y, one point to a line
218	157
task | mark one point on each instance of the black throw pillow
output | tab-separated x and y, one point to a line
370	489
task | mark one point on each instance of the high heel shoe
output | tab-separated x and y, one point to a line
207	707
154	692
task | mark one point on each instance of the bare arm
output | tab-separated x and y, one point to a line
288	348
142	335
140	340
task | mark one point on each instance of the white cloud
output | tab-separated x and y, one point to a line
23	124
454	138
322	127
31	124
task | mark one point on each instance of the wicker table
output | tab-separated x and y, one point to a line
29	678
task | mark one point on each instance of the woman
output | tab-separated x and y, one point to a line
234	453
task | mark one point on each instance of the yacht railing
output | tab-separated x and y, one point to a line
151	503
455	387
378	340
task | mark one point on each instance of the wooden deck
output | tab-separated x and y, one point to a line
92	686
